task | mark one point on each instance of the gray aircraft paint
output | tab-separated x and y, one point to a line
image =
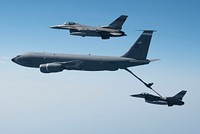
170	101
52	62
105	32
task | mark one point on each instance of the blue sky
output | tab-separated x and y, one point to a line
98	102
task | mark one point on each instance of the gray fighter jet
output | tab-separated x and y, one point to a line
51	62
170	101
105	32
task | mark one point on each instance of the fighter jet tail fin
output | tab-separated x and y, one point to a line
117	24
140	48
180	95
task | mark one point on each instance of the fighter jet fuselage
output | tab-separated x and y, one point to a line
105	32
170	101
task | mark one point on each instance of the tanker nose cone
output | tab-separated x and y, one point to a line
13	59
16	59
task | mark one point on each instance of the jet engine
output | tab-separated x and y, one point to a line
51	68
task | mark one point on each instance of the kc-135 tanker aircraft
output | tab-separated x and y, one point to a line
105	32
52	62
136	55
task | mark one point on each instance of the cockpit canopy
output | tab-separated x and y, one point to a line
18	56
70	23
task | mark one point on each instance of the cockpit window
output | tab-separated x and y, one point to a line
18	56
69	23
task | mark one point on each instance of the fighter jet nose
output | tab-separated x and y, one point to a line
138	95
54	27
134	95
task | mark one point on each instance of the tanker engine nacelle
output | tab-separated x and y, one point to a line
51	68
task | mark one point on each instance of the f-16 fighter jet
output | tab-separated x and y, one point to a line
105	32
170	101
